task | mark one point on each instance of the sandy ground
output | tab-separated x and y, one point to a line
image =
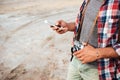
29	49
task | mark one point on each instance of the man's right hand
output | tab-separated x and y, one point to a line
61	27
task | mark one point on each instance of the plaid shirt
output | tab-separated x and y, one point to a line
107	23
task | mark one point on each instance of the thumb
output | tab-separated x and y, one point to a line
58	22
84	43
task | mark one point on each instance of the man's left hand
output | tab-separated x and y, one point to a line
87	54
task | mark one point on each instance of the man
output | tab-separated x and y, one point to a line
106	53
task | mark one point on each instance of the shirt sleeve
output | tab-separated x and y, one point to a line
112	25
117	10
117	45
117	48
115	25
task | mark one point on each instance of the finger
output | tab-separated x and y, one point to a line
84	43
61	29
60	32
83	62
81	55
77	52
55	28
58	26
81	58
59	22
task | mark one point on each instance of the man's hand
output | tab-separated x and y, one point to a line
87	54
61	27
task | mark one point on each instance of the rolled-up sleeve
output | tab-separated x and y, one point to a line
116	34
117	48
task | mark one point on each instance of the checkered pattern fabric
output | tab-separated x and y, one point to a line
108	24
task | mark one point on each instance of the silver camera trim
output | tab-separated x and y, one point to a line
79	44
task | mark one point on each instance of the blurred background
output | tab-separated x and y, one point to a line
29	49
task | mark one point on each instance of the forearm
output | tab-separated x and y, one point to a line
108	52
71	26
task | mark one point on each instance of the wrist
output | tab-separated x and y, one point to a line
98	55
68	26
71	26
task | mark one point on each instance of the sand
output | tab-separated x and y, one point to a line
29	49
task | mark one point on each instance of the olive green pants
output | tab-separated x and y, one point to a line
79	71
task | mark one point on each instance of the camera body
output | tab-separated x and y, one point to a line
77	46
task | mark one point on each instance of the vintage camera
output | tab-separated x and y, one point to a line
77	46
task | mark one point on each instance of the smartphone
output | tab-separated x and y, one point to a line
51	24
